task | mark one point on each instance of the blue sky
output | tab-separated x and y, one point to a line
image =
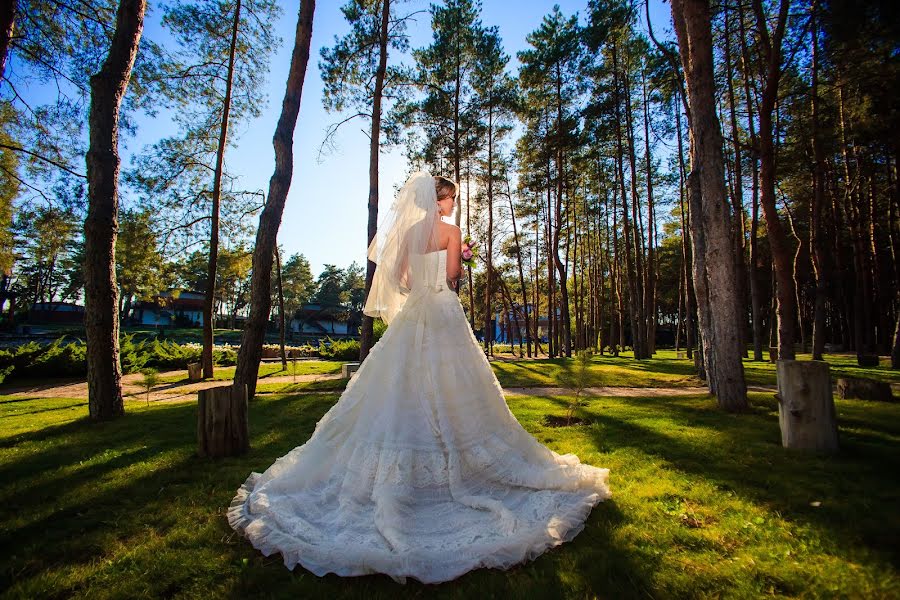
326	212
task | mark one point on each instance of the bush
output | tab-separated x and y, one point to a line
378	328
339	349
305	351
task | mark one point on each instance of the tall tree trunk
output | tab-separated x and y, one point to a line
895	242
7	28
552	345
207	354
816	241
725	370
281	321
639	334
626	228
737	196
686	258
101	317
269	221
366	335
560	188
778	242
650	287
489	257
468	232
512	216
862	296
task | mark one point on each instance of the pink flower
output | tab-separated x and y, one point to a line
466	253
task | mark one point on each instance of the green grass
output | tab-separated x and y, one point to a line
666	370
270	369
705	504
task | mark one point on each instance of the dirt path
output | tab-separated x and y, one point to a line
131	388
182	391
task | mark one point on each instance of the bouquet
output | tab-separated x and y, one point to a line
468	252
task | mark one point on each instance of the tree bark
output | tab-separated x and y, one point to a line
269	221
786	308
721	336
512	216
686	256
560	188
626	228
101	316
650	286
489	256
208	323
753	273
281	320
366	336
7	27
737	196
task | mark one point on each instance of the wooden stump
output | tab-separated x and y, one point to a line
195	372
805	406
867	360
680	354
348	369
864	389
222	428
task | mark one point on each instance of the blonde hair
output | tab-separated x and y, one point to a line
443	185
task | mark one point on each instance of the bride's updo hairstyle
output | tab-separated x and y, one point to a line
444	186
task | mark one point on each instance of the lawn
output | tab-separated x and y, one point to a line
270	369
705	504
666	370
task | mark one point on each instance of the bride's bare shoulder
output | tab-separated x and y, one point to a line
450	229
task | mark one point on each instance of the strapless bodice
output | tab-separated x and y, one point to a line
433	267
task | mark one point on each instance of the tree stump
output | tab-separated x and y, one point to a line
195	372
222	428
867	360
806	411
864	389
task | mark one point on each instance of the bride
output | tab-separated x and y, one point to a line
420	469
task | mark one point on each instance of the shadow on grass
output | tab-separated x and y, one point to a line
856	488
63	499
95	504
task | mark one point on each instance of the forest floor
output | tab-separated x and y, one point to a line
663	375
705	504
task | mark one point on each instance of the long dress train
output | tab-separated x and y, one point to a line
420	469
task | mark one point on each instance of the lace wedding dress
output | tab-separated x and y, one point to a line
420	469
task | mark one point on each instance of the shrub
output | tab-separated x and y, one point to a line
339	349
378	329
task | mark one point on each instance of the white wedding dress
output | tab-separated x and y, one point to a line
420	469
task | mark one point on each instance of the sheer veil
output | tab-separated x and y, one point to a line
407	233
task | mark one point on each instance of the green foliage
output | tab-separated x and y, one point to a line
297	283
339	349
330	287
140	268
70	359
150	380
378	329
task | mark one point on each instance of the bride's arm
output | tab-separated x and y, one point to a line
454	261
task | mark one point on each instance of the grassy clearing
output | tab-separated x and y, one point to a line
666	370
705	505
271	369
